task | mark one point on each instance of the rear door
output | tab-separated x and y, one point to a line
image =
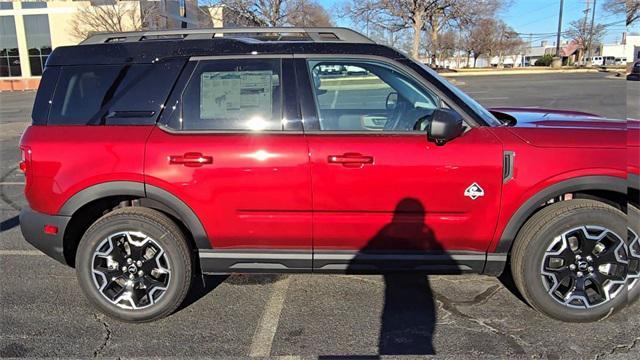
384	197
231	147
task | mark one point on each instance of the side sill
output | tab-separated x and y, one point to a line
224	261
260	261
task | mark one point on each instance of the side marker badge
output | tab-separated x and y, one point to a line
474	191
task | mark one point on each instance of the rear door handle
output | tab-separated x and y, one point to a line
190	159
351	159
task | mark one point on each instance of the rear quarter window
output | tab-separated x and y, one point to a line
130	94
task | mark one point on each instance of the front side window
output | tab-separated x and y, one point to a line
368	96
243	95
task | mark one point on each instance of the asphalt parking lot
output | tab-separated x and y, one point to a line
306	316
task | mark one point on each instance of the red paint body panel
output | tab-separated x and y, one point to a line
68	159
280	191
539	167
255	193
633	147
352	206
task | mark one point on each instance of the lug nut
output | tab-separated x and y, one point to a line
580	274
589	258
572	266
140	273
590	269
578	257
131	276
129	261
124	269
139	263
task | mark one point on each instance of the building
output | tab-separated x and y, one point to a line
30	30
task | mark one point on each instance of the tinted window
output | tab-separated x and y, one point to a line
36	29
112	94
42	103
34	4
9	56
368	96
234	95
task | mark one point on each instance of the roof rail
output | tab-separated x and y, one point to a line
325	34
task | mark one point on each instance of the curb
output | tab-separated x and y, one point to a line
517	72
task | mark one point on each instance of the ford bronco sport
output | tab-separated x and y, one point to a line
156	156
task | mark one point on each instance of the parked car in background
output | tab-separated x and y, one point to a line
596	61
156	156
620	61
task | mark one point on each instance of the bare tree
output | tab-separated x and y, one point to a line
506	42
259	12
116	16
479	39
372	18
432	16
581	33
629	7
271	12
309	13
457	14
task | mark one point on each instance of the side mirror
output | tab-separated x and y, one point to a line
445	125
392	101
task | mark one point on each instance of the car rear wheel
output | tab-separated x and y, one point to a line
570	260
134	264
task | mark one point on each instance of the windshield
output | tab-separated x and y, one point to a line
474	105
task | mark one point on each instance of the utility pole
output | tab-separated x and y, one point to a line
593	18
559	29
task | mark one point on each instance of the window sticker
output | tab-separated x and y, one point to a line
236	94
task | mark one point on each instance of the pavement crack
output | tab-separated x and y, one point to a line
624	348
451	306
107	335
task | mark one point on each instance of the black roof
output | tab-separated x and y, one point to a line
149	47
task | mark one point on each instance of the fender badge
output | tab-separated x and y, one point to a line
474	191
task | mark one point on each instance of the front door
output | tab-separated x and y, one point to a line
233	150
384	197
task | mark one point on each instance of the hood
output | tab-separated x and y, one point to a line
562	128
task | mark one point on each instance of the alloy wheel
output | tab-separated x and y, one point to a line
131	270
585	267
634	258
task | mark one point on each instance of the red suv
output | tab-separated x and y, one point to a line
156	156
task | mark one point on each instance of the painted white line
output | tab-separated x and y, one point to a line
266	330
493	98
12	183
476	92
20	253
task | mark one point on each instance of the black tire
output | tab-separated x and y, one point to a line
170	257
540	236
634	252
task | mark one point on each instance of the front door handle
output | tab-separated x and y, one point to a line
190	159
351	159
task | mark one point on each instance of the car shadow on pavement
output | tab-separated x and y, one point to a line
201	285
409	316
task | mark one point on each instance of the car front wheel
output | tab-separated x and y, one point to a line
570	260
134	264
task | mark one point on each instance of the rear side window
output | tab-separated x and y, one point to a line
112	94
41	106
243	95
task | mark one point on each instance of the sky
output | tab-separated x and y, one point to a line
541	17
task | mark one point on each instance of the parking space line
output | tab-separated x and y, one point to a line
12	183
493	98
20	253
266	330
